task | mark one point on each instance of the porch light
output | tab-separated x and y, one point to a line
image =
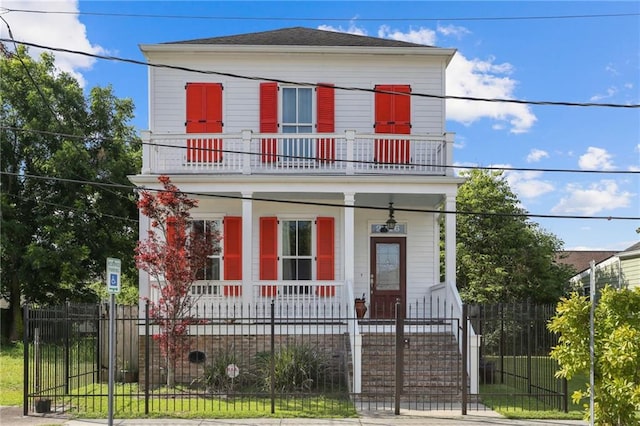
391	222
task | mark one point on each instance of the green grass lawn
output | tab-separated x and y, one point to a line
511	398
128	403
11	379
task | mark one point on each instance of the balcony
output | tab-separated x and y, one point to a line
347	153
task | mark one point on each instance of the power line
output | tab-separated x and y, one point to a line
45	100
286	156
61	206
307	84
293	18
322	204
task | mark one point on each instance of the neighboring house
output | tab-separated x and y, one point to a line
618	269
302	176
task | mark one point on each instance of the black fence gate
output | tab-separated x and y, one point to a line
515	369
61	353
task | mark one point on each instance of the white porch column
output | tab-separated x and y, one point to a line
450	241
349	240
247	247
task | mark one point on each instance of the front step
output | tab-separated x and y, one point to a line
432	366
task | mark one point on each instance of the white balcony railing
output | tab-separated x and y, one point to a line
226	300
346	153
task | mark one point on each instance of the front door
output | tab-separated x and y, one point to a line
388	275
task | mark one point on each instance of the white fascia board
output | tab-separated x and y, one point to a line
626	254
149	49
287	180
308	184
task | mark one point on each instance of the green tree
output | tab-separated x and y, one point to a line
616	348
502	256
57	226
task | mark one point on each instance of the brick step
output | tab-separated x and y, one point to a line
431	367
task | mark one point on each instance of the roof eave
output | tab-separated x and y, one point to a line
234	48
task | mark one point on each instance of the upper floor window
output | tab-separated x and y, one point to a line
297	110
290	109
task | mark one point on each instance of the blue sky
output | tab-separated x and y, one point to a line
595	59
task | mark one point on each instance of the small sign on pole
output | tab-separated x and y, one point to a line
233	371
113	275
113	287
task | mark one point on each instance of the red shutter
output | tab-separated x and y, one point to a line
232	243
326	147
325	264
171	230
392	115
269	120
204	115
268	248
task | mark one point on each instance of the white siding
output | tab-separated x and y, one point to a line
631	271
354	109
421	266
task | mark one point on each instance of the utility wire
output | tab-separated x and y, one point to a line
321	204
45	100
74	209
307	84
268	18
285	156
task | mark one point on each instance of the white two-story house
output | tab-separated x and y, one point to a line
323	159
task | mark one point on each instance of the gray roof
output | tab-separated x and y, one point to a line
634	247
300	36
580	259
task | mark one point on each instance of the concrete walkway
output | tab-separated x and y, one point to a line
13	416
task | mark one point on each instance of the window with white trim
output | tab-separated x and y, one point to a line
297	254
297	117
212	270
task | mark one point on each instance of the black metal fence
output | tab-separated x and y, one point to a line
515	369
282	363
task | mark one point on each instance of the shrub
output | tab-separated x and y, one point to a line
297	368
215	378
617	352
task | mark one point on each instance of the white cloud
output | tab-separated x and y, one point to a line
453	30
596	159
528	184
59	30
610	68
420	36
597	197
611	92
468	78
352	29
536	155
485	79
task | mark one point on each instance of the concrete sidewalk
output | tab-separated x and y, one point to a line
431	418
13	416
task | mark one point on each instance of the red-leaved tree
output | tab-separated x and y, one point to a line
172	254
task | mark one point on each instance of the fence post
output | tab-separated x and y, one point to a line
501	348
146	358
98	354
465	350
565	395
529	322
272	366
25	370
399	355
67	349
